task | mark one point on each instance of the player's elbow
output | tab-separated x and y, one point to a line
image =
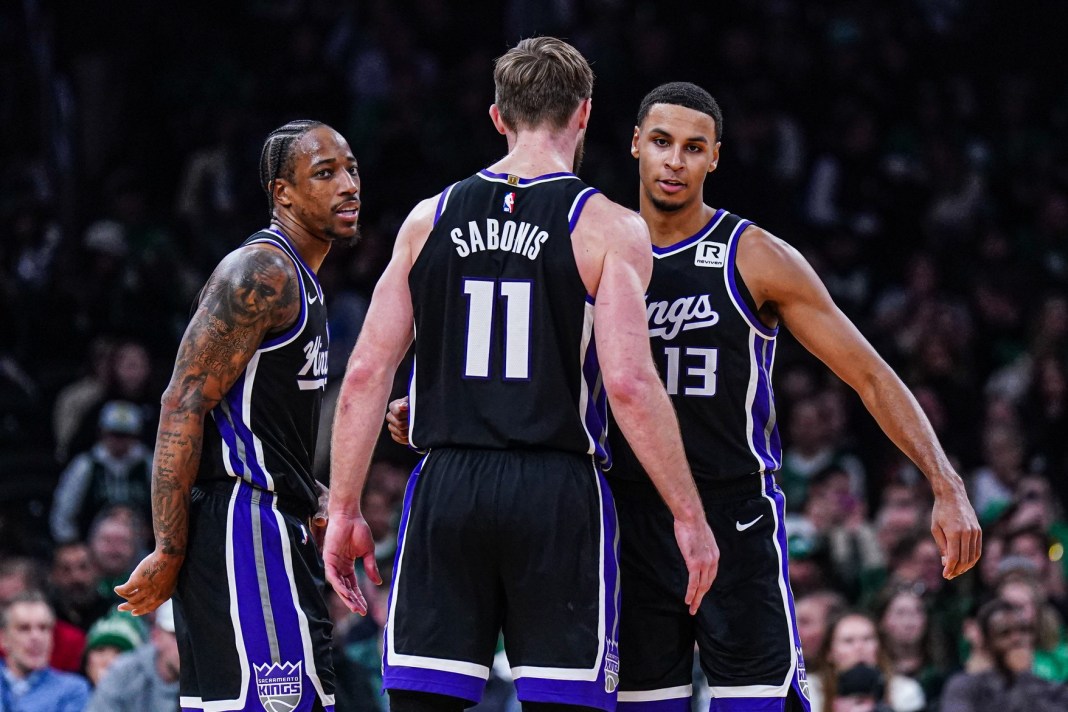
626	387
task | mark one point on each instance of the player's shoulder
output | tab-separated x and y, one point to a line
758	244
603	215
256	260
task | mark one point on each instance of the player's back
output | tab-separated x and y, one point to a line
504	350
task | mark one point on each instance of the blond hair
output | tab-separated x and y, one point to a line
541	81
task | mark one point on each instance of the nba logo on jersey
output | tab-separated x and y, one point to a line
509	202
709	254
279	686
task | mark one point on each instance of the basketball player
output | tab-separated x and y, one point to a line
525	289
232	499
721	287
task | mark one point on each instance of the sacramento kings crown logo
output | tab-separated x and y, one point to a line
279	685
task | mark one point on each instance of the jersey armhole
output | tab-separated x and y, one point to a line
443	201
577	206
740	294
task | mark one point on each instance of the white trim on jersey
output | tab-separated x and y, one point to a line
744	313
664	693
578	199
770	690
670	252
235	620
302	619
751	691
303	295
246	418
445	200
411	396
395	659
750	398
581	674
584	388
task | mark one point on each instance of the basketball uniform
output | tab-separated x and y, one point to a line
715	357
507	523
252	625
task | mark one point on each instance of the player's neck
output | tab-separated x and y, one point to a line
312	248
668	227
538	152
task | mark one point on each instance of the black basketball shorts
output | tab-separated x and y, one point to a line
745	629
252	626
522	542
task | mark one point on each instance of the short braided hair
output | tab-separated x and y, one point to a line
687	95
276	158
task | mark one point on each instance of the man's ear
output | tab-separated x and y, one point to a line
280	188
634	142
498	122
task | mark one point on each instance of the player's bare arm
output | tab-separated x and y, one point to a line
385	337
621	266
787	289
253	292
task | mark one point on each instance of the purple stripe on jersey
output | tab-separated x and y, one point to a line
226	432
676	704
251	465
527	181
247	587
443	683
761	409
580	692
401	677
583	197
296	254
745	704
774	442
730	267
283	607
596	415
441	202
691	239
800	681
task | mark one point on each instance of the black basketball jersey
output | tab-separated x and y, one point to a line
714	355
266	425
504	350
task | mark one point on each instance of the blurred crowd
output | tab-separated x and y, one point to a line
916	152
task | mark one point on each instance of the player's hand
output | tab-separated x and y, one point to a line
349	539
320	518
701	553
956	531
151	583
397	420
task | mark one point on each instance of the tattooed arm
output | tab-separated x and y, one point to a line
253	292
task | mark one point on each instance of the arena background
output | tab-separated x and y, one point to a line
915	151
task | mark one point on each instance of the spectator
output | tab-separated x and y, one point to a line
814	610
109	638
852	639
1019	585
838	515
992	484
18	577
913	647
145	679
1009	686
115	542
116	471
27	683
861	688
74	585
84	394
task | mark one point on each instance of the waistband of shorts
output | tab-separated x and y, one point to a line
225	490
751	485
